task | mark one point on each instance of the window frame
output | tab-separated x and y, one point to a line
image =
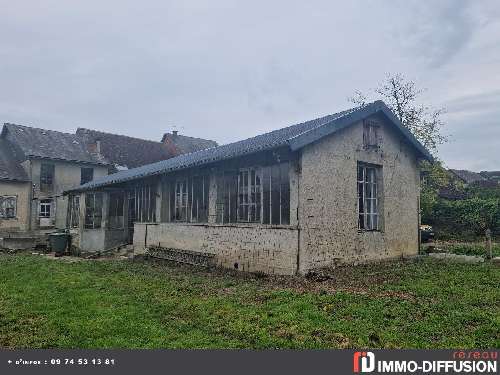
74	211
181	199
269	195
369	211
84	170
3	210
371	134
47	177
252	192
116	199
92	225
47	214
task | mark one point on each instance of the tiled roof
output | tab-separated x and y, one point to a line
124	151
295	137
49	144
10	163
185	145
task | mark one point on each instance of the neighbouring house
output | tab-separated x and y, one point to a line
462	178
37	165
52	162
467	177
15	189
493	176
184	145
343	188
124	152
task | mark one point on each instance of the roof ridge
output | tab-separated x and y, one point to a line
188	136
37	128
340	114
120	135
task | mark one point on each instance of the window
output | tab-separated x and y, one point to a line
249	195
181	200
93	210
74	211
144	201
368	203
8	207
115	215
189	197
86	175
260	195
45	208
46	177
371	134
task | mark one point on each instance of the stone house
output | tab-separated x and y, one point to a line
37	165
52	162
341	188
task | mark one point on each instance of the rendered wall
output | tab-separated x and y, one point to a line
328	200
22	191
66	176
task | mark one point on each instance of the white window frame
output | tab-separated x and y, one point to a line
42	211
368	197
245	193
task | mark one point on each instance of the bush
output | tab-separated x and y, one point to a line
465	219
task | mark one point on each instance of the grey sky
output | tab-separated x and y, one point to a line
228	70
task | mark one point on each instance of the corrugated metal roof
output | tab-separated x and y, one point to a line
295	136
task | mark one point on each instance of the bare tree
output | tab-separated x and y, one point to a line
401	95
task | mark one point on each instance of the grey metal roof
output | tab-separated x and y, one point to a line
295	137
49	144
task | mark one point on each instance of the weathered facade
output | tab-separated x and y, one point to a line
339	189
37	165
47	163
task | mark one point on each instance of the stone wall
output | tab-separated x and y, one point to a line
253	248
328	214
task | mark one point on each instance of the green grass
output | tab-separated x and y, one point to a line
119	304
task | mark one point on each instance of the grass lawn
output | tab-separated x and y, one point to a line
469	248
48	303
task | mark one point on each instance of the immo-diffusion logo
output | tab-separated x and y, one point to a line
367	361
474	362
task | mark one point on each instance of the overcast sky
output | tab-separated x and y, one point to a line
228	70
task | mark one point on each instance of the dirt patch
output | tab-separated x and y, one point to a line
360	279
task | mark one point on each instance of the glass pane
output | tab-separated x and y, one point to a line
275	194
266	199
360	173
368	222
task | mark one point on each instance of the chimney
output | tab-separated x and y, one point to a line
174	133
